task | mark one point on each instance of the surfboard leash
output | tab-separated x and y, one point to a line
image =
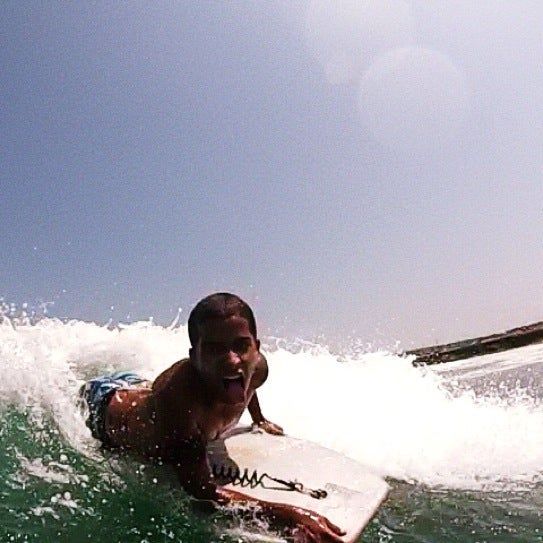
245	479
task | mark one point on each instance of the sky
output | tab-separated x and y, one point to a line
359	171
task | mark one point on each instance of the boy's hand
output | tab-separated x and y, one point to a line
306	526
269	427
317	529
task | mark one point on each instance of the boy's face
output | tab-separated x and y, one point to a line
226	356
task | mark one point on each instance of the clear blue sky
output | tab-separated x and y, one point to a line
367	169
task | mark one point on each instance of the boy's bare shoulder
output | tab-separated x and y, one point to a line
173	377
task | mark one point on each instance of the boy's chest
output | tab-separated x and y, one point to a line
195	422
214	422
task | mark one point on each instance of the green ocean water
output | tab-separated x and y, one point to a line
52	493
461	447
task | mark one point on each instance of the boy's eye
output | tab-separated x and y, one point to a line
214	348
241	345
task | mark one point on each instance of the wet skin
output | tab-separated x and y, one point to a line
195	401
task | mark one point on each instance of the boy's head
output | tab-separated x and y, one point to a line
220	305
225	351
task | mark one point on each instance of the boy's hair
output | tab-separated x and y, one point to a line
220	305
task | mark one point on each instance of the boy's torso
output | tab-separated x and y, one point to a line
177	409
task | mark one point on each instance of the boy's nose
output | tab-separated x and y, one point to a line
232	359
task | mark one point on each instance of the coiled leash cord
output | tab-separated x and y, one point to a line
242	478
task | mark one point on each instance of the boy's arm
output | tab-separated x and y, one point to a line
258	379
259	420
194	476
304	525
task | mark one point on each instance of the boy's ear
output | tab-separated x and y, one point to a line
258	345
191	354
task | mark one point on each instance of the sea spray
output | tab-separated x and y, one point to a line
406	422
400	421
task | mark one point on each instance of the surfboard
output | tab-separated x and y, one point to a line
292	471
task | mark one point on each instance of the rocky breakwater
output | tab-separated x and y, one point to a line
511	339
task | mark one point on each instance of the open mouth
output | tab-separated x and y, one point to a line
234	386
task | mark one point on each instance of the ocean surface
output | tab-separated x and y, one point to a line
460	444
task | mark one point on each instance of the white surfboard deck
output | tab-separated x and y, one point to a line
353	493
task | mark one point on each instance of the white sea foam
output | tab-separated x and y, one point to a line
409	423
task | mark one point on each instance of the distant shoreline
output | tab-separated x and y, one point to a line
495	343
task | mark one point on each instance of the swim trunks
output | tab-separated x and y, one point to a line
98	392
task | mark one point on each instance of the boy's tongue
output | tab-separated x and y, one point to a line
234	390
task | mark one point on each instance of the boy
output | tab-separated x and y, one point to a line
195	401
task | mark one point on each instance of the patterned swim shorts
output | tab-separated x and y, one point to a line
98	392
